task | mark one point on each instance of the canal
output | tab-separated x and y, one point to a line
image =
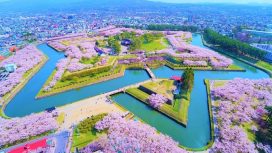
24	103
197	133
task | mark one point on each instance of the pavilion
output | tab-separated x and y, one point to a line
177	78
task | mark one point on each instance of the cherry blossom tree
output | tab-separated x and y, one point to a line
131	136
25	59
157	100
240	101
16	129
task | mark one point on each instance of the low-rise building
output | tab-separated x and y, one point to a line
10	67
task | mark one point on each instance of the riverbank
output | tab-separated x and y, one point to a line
92	81
80	110
240	59
211	119
192	136
27	76
177	111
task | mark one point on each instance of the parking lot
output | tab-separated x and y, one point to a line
3	75
4	53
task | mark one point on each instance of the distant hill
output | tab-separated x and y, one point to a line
55	5
40	6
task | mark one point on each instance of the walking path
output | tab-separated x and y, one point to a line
151	74
78	111
125	88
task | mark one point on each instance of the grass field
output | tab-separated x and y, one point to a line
219	83
178	111
163	87
85	132
265	65
184	106
91	60
135	92
247	127
155	45
83	139
179	66
234	67
80	82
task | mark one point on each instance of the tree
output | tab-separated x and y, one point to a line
157	100
111	41
265	134
231	45
16	130
171	27
116	46
136	44
188	79
129	136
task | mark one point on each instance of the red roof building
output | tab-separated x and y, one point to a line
30	147
2	58
13	49
176	78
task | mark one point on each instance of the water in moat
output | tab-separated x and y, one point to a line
197	132
24	102
195	135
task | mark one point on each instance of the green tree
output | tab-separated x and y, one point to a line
117	47
231	45
188	79
88	124
136	44
264	135
163	27
111	41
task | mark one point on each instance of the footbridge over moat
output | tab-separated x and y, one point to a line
150	73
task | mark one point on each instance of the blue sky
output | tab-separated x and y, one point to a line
216	1
204	1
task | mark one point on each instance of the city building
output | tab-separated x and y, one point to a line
10	67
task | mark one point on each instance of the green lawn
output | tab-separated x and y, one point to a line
80	82
80	140
177	111
184	107
247	127
265	65
154	45
219	83
128	56
84	132
176	104
92	60
234	67
163	87
2	114
135	92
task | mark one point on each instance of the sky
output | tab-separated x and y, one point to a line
216	1
205	1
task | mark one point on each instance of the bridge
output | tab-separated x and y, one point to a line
150	73
125	88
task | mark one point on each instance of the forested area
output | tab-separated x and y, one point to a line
170	27
231	45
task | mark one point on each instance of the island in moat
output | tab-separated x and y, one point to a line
168	89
